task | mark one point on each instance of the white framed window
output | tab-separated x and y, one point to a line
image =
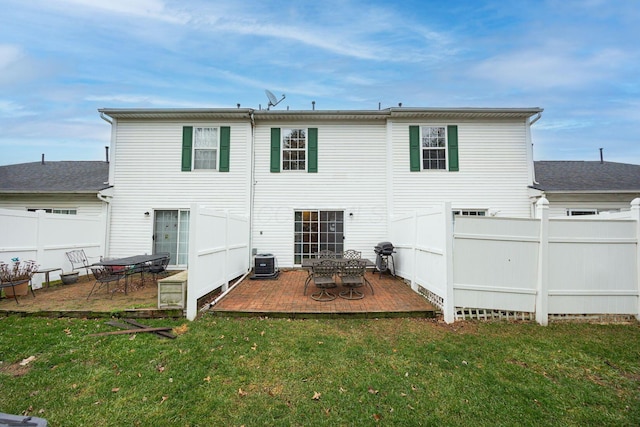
65	211
205	147
578	212
434	147
470	212
294	149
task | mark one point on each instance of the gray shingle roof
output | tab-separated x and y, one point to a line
581	176
54	177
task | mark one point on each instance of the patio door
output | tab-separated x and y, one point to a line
316	231
171	234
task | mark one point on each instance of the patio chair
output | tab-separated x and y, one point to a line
323	276
104	276
324	254
352	276
351	254
159	267
79	260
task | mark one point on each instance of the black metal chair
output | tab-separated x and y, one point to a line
78	260
159	267
323	276
351	254
352	276
104	276
324	254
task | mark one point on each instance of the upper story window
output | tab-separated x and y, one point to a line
205	147
294	149
434	147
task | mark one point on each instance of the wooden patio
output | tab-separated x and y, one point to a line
283	297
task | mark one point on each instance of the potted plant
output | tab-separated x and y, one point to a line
69	278
17	272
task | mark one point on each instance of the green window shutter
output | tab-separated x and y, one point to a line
313	150
187	142
225	148
275	149
452	142
414	148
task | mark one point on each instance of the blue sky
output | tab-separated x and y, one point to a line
62	60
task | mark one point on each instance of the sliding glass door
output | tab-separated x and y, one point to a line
315	231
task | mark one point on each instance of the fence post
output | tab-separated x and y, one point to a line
192	299
225	286
542	286
635	214
449	304
414	252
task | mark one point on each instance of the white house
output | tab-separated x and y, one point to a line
67	187
310	180
587	187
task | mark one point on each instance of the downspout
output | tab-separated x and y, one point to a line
532	163
252	185
107	197
107	231
105	118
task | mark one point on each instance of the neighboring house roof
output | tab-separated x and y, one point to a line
54	177
587	177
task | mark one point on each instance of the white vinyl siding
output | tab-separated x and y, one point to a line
350	178
493	170
147	176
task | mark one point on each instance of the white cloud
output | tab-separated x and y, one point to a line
150	9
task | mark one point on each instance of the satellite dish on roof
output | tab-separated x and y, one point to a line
273	101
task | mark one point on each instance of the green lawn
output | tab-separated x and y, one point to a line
257	372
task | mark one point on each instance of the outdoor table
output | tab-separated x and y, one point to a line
46	272
308	263
133	264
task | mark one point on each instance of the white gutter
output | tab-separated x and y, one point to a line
105	118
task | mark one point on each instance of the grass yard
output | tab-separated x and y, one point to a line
257	372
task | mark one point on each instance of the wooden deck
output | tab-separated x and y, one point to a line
283	297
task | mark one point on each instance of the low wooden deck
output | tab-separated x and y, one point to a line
283	297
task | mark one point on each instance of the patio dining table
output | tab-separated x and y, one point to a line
131	264
308	263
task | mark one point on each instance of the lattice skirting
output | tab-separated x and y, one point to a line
464	313
434	299
595	318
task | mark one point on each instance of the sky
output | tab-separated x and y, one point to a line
62	60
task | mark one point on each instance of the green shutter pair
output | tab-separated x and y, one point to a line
312	150
187	148
414	148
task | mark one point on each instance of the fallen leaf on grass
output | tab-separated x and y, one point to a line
28	360
182	329
115	389
316	395
207	379
254	347
241	392
164	399
372	391
377	417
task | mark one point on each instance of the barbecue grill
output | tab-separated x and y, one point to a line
384	257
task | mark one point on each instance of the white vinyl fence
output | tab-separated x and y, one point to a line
526	268
46	237
218	253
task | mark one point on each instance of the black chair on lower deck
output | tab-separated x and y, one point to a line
159	266
104	276
323	275
352	276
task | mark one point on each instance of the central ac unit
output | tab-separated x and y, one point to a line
265	267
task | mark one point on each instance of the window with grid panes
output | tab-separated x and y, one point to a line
434	147
294	149
205	147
